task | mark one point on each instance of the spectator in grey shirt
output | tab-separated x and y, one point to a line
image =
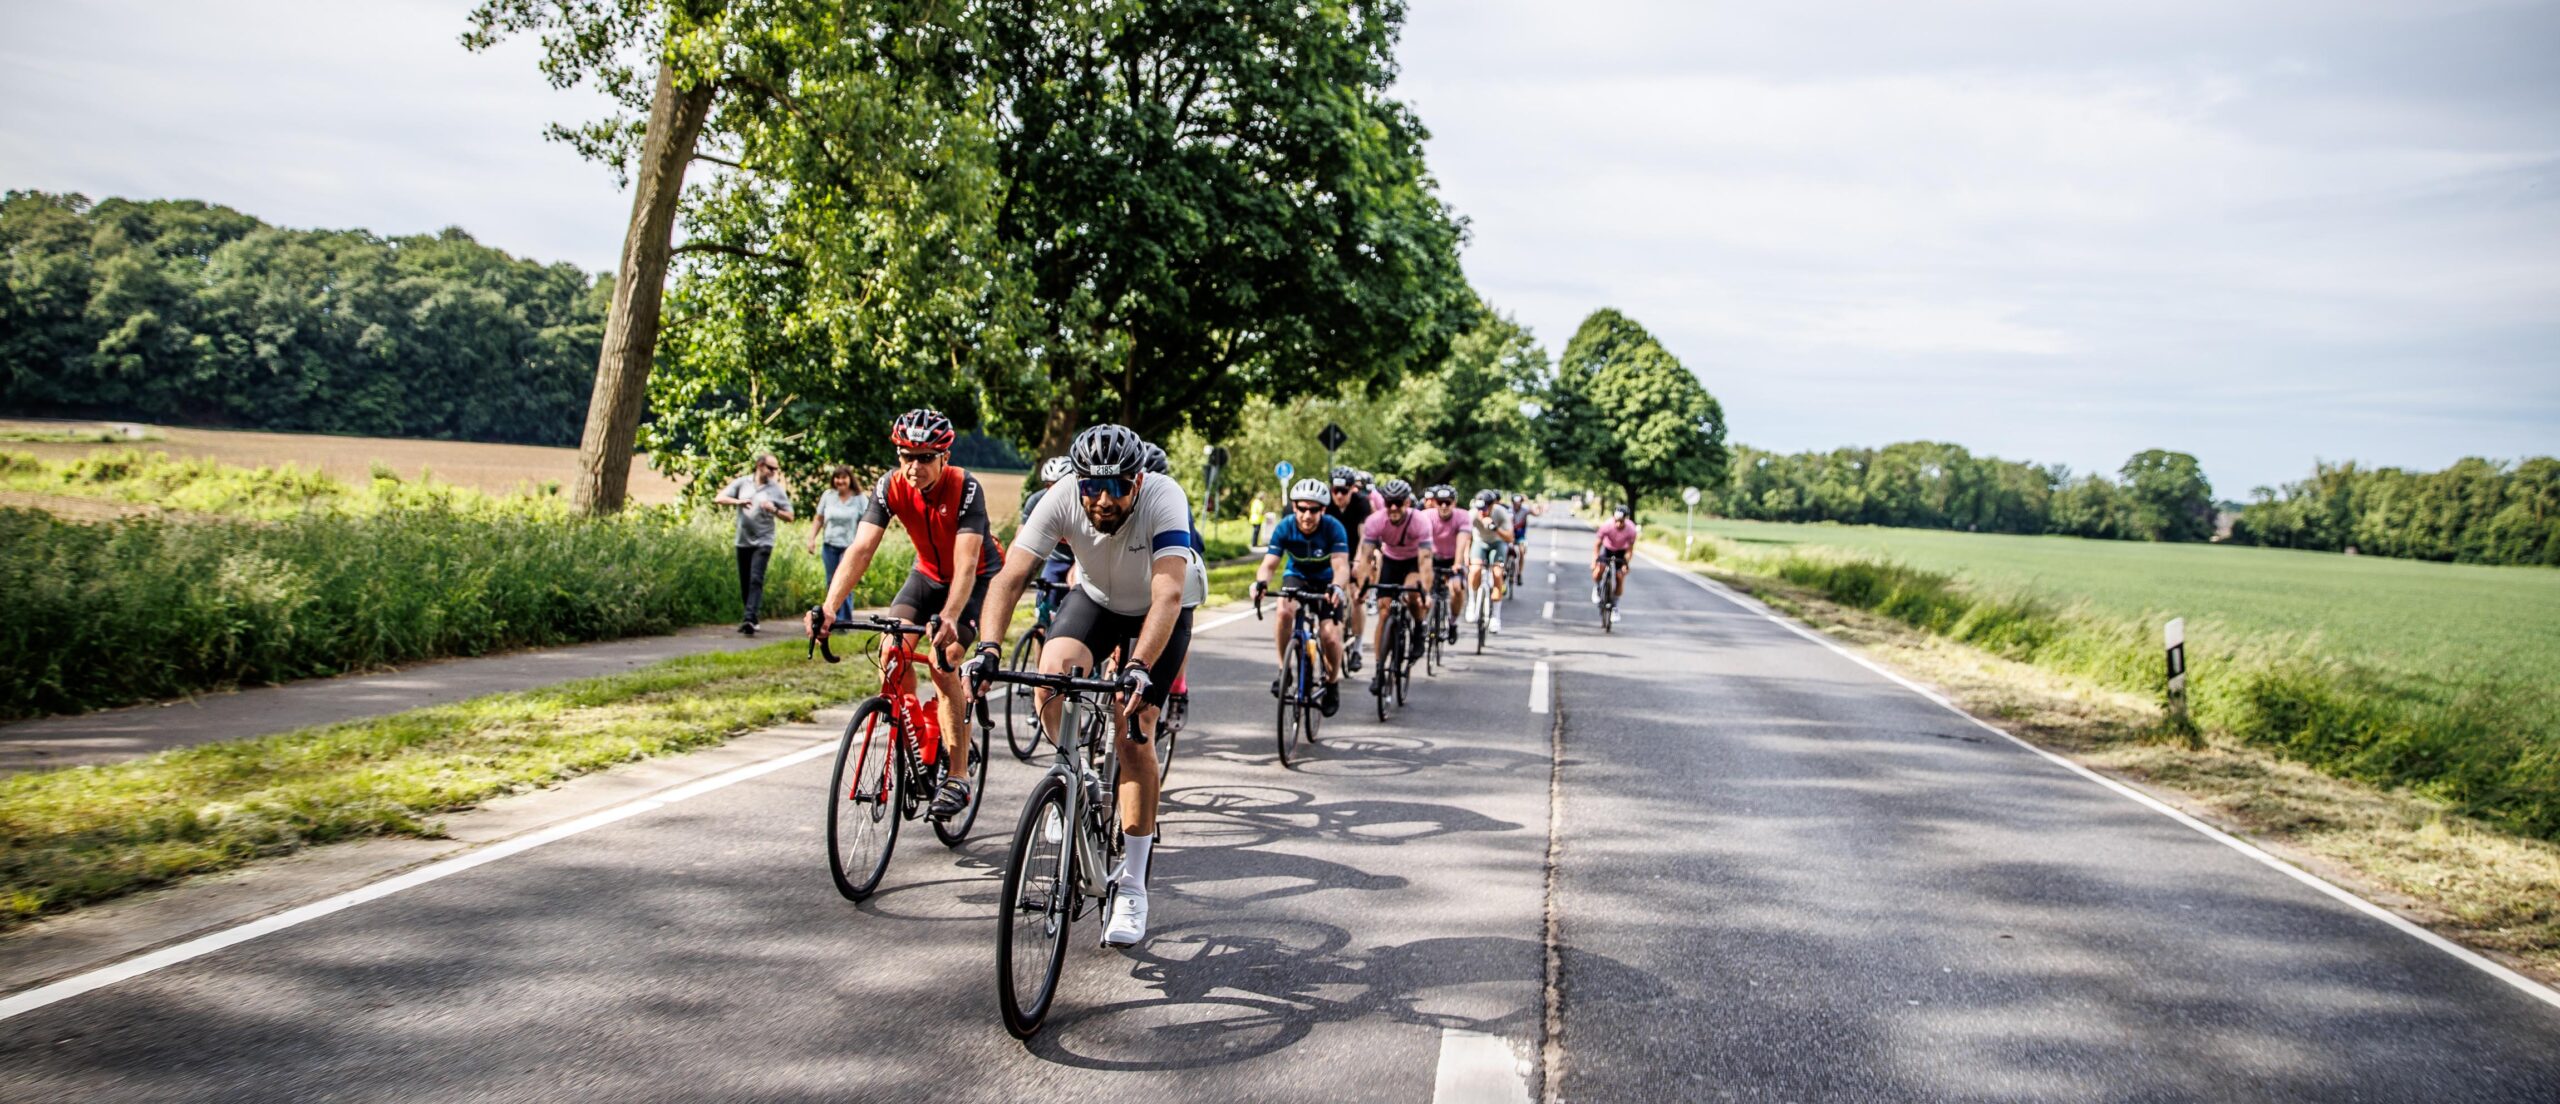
761	499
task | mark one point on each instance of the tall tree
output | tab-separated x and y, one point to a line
2170	497
1622	410
1210	200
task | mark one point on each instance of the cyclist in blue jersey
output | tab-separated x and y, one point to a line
1317	551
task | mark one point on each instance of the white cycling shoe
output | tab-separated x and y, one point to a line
1128	924
1497	622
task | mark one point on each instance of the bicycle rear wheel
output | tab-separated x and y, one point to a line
956	829
1021	711
1390	657
1484	616
1177	711
864	796
1036	909
1608	603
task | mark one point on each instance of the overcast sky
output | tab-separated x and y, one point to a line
2257	232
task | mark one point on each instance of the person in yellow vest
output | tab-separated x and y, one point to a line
1256	514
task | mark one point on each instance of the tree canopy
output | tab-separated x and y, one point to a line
1623	411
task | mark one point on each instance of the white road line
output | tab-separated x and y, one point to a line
200	946
2466	955
1550	613
1476	1068
1538	688
70	987
1551	581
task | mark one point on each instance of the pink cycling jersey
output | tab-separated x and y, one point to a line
1618	535
1444	533
1410	540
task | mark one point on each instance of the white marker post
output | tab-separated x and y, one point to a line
1689	528
2175	636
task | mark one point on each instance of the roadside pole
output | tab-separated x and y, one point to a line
1689	527
2174	635
1332	439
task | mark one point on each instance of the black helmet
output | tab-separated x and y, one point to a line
922	429
1442	491
1155	461
1486	498
1345	475
1107	451
1397	491
1622	511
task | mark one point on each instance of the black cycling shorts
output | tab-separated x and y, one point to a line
1444	568
1103	632
1617	556
921	598
1396	571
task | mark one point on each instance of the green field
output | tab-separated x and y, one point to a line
2457	622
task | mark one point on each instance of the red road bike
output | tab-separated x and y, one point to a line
889	764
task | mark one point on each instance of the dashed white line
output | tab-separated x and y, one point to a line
1550	612
1476	1068
1538	688
2466	955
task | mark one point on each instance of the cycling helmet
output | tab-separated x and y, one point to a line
1397	491
1057	468
1366	479
922	429
1105	451
1487	498
1442	490
1154	459
1308	490
1622	511
1345	475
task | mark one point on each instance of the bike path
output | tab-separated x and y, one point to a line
1319	933
1833	888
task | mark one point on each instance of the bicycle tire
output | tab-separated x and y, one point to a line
955	830
1177	711
1608	606
871	738
1310	714
1291	689
1023	734
1033	865
1484	617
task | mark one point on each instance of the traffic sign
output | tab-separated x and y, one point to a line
1690	496
1284	470
1332	437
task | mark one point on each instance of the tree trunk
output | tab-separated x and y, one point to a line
1065	420
631	331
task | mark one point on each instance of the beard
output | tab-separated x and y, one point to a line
1106	519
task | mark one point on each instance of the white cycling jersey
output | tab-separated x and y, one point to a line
1116	569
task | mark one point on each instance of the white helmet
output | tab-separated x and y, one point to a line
1057	468
1308	490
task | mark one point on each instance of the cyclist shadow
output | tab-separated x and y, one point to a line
1239	987
1377	752
1250	815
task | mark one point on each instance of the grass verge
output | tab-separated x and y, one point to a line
79	836
2469	879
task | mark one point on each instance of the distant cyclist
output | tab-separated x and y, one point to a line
1132	539
1490	529
1316	550
1351	505
1616	538
1396	543
944	512
1062	559
1449	539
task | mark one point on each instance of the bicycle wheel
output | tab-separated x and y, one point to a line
1036	909
1390	656
956	829
1405	659
1310	715
863	800
1484	617
1021	713
1608	606
1177	710
1291	689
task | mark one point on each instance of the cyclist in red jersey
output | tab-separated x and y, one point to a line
945	514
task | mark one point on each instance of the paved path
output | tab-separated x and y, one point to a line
134	731
1780	877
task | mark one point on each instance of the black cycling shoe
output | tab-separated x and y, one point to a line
951	801
1330	700
1275	687
1351	659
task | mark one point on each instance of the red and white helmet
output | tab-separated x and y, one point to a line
923	429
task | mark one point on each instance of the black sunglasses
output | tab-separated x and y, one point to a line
1308	508
919	457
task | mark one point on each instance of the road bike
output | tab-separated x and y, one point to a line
1480	604
1607	593
1065	847
1021	721
889	763
1516	557
1395	662
1301	669
1442	625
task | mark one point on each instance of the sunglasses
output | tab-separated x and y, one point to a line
918	457
1308	508
1092	487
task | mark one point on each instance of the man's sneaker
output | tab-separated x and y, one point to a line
746	628
1128	924
1497	620
951	800
1330	700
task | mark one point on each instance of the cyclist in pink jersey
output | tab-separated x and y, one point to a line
1395	548
1449	538
1616	539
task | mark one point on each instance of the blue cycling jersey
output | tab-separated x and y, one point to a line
1309	556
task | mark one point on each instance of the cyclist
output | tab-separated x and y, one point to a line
1351	505
1137	590
944	512
1615	539
1491	530
1395	546
1521	508
1062	559
1154	460
1449	539
1318	552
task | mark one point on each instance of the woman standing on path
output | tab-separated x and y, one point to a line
831	530
760	498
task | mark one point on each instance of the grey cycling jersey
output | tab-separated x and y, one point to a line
1493	524
1116	568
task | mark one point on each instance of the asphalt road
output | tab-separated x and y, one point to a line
1781	877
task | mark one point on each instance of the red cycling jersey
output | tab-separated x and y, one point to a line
935	520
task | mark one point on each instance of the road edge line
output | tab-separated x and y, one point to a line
2404	925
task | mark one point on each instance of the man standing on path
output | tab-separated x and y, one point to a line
761	499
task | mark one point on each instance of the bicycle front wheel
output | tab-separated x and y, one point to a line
955	829
1037	907
863	800
1291	689
1021	711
